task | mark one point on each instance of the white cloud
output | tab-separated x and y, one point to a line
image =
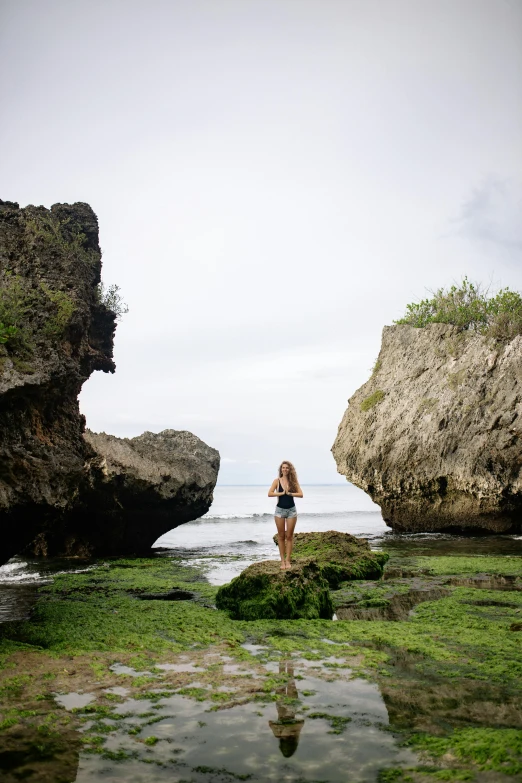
493	215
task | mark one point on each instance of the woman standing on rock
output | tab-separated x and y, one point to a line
286	488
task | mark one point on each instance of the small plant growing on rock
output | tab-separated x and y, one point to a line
15	304
64	307
111	298
47	231
456	379
427	404
7	333
372	400
376	367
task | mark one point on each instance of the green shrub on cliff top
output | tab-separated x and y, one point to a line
46	231
7	333
467	307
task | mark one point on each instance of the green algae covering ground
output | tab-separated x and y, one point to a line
450	673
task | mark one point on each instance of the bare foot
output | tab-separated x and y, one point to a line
288	565
282	567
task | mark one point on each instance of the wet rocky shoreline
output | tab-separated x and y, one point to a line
108	681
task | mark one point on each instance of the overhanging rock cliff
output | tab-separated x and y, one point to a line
63	492
435	435
140	488
54	333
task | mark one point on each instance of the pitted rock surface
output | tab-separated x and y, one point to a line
435	435
53	256
140	488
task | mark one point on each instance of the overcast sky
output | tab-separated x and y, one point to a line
274	181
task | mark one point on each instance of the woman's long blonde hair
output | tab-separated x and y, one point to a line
293	484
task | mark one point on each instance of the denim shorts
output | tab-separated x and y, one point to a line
285	513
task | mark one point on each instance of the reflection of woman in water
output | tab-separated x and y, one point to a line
287	728
285	488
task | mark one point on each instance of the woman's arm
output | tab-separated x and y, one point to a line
272	493
298	494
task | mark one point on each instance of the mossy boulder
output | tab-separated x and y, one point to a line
320	561
339	556
263	591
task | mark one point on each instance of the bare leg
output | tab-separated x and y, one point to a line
280	524
290	526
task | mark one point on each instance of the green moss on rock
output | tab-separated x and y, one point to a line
372	400
263	591
340	556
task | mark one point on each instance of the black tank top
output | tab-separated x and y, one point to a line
285	501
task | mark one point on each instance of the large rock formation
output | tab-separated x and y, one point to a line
63	492
139	489
53	333
435	435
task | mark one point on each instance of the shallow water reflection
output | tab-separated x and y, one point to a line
439	544
27	754
74	701
191	740
287	727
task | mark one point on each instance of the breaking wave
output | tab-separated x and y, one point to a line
334	514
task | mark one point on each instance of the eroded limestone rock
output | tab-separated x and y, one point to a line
60	492
435	435
140	488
